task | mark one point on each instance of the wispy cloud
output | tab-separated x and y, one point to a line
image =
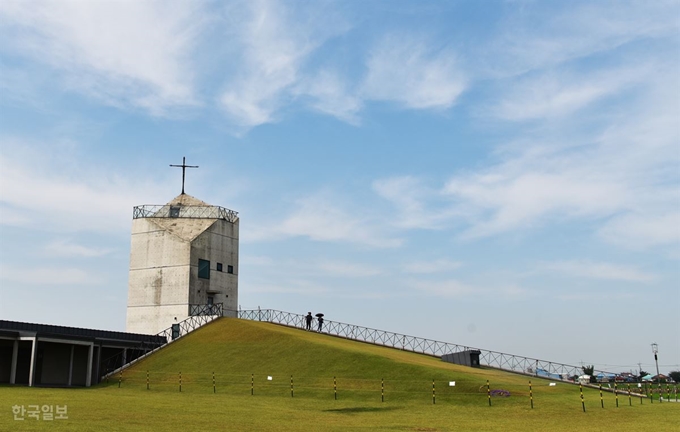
407	70
66	248
319	218
70	200
435	266
348	269
452	288
48	276
598	270
275	49
131	53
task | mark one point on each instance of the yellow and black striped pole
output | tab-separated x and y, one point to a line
180	381
335	389
630	401
291	386
668	392
616	394
488	392
214	387
583	403
660	392
147	380
531	395
382	389
252	384
434	400
601	398
120	378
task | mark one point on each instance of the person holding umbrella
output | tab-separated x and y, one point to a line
308	321
320	319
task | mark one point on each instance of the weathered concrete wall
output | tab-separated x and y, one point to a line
218	244
163	278
159	275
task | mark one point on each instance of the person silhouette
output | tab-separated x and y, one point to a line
320	323
308	320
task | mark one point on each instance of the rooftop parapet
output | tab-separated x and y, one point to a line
184	211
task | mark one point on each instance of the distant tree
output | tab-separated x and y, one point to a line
590	370
643	374
675	375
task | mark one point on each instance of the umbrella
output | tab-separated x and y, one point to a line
319	315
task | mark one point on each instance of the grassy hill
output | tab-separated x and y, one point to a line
377	389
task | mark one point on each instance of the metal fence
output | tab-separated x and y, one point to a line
494	359
183	211
200	315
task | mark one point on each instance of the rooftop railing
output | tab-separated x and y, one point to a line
184	211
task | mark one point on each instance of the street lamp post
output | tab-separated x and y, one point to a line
655	350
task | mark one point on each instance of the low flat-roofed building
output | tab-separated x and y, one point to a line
51	355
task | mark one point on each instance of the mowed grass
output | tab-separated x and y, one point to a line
243	354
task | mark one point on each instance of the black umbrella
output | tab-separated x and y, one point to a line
319	315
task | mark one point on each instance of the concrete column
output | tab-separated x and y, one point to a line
34	355
98	363
70	367
15	356
88	378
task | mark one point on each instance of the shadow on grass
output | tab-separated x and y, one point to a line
353	410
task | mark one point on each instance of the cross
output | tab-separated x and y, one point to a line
184	166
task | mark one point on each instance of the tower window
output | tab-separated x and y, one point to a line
230	269
219	267
203	269
174	211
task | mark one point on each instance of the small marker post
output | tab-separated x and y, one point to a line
630	401
583	404
335	389
660	392
434	398
601	398
382	389
214	387
120	378
180	381
291	386
147	380
531	395
616	394
252	384
488	391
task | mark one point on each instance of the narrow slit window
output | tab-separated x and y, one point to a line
230	269
219	267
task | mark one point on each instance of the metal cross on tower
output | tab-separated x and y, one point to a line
184	166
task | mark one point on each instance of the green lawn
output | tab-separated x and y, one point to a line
243	352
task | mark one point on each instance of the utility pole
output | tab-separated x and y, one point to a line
655	350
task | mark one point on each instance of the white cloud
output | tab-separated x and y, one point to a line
275	48
66	248
134	53
38	192
558	94
533	39
599	270
48	276
322	219
435	266
347	269
330	94
451	288
406	70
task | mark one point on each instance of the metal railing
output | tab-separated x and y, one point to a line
125	358
184	211
494	359
205	309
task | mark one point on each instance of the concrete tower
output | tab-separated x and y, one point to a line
183	260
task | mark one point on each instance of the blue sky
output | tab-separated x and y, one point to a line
499	174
